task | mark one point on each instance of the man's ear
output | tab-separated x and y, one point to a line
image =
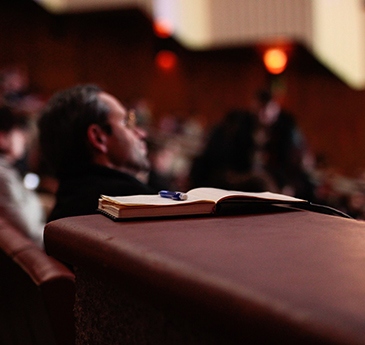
97	138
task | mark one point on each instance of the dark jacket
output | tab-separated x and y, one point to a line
80	189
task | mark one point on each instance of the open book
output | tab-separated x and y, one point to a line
200	201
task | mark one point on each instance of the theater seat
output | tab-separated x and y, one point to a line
36	293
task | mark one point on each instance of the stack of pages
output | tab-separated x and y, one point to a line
199	201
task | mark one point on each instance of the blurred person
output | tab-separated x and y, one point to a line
15	91
279	147
94	147
227	160
18	205
176	141
13	85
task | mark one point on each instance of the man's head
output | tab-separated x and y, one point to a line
263	97
267	108
13	134
84	124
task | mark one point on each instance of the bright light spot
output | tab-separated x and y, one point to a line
31	181
275	60
162	28
166	59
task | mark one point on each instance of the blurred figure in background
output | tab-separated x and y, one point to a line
227	161
279	148
18	205
174	143
256	151
13	86
15	90
16	93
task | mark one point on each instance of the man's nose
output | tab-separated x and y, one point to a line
142	133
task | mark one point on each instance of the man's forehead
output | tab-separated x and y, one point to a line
115	105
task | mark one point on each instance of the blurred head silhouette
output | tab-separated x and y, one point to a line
13	134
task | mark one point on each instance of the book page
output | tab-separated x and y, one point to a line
197	195
215	194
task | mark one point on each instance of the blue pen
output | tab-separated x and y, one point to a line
173	195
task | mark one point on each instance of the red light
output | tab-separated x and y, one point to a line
275	60
162	28
166	59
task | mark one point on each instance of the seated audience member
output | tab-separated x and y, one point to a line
280	148
227	161
18	205
15	90
94	147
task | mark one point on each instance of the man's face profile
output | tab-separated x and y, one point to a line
126	147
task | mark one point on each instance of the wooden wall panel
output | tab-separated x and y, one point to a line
330	113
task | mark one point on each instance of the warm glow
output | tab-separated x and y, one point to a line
275	60
162	28
166	59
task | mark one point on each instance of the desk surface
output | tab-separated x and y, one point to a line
303	269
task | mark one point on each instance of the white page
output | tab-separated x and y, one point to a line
216	194
195	195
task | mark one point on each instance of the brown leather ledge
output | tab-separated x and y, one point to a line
300	272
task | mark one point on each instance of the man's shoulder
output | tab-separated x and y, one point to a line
102	180
123	186
79	197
